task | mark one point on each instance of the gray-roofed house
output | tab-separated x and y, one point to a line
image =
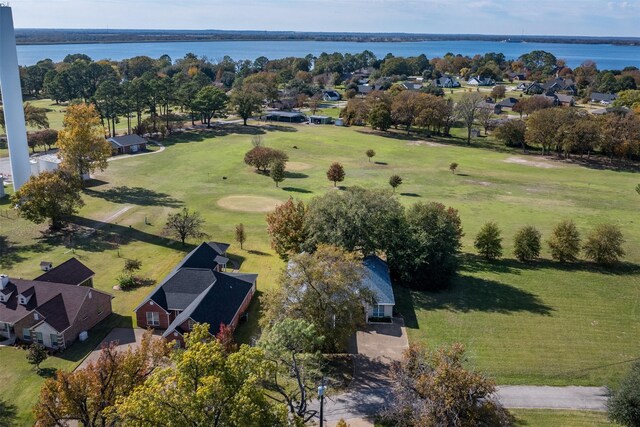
286	116
51	313
71	272
376	278
508	103
446	82
331	95
481	81
603	98
128	144
198	291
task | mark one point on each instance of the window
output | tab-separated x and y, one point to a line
26	334
39	338
190	324
54	340
153	318
378	310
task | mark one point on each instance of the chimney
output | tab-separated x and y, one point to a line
4	281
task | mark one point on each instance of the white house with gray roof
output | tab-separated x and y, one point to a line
376	277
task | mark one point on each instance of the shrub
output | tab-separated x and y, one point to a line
126	282
604	244
488	241
623	405
36	354
527	243
565	242
335	173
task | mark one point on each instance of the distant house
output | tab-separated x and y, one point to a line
603	98
331	95
286	116
515	76
481	81
51	313
198	290
447	82
365	89
320	120
411	85
534	88
128	144
376	278
508	103
564	100
495	108
560	84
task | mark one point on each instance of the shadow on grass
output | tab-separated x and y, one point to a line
8	414
248	331
259	253
473	263
46	373
235	261
10	254
410	195
295	175
297	190
135	195
381	163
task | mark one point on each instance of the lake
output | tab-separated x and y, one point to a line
606	56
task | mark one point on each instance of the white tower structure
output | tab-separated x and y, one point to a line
12	100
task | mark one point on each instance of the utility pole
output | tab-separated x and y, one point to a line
321	390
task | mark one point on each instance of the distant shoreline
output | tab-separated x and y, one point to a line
90	36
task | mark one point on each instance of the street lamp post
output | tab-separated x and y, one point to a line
321	390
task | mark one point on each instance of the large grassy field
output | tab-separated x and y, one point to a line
541	323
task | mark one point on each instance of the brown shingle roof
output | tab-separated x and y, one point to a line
70	272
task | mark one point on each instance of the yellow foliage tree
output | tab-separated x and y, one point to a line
83	147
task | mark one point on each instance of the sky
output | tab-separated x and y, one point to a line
539	17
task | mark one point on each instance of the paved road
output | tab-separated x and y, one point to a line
544	397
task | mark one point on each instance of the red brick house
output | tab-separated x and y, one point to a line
198	291
128	144
53	313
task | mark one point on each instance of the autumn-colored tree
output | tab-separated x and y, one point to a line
435	389
604	244
286	227
44	138
241	235
335	173
325	297
261	157
87	394
488	241
542	129
203	386
83	147
51	196
226	339
565	242
292	347
277	172
498	92
185	224
395	181
485	117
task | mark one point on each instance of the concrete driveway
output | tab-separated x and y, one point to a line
124	337
383	342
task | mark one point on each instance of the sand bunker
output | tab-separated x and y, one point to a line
427	143
249	203
298	166
536	164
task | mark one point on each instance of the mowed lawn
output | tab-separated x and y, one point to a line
542	323
544	418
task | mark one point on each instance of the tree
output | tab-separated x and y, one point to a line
335	173
127	280
262	157
488	241
87	395
292	346
33	116
485	117
51	196
604	244
512	133
241	235
395	181
370	154
277	172
203	386
498	92
44	138
527	243
623	405
108	101
211	102
565	242
83	148
286	227
453	167
185	224
435	389
246	102
36	354
424	246
380	116
226	339
357	220
327	297
467	110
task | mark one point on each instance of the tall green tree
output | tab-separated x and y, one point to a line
604	244
185	224
526	243
108	101
488	241
564	241
211	102
277	172
204	386
327	297
624	403
246	101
